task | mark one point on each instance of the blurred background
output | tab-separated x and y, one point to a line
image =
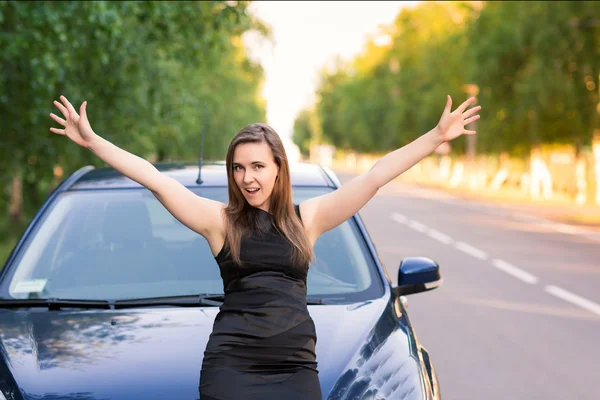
343	84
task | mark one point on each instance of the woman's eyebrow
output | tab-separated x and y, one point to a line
253	162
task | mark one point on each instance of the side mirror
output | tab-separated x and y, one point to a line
417	274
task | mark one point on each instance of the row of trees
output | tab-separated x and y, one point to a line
153	73
533	66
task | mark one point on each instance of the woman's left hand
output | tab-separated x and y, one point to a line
452	124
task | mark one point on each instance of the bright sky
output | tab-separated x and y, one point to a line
307	35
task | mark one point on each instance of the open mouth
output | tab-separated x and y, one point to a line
252	190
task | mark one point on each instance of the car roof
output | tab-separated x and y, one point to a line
213	175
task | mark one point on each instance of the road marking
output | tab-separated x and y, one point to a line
500	264
573	299
399	218
439	194
439	236
472	251
516	272
417	226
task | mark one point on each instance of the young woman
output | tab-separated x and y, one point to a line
263	340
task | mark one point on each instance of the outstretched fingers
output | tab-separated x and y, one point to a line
472	119
62	108
448	107
69	106
58	131
58	119
471	111
461	109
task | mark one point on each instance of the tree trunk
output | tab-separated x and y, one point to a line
16	200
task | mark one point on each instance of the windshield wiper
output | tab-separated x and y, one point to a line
54	304
311	301
212	300
215	300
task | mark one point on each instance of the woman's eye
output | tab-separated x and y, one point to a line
259	166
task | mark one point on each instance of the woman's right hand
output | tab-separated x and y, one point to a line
76	127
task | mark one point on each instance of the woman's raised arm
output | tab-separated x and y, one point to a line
325	212
202	215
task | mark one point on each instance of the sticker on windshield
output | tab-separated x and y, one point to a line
30	286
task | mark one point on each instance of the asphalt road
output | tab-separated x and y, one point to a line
518	314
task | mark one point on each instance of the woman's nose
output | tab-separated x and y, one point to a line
248	177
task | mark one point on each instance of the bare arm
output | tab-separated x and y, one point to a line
202	215
325	212
128	164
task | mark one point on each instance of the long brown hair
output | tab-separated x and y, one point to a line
240	218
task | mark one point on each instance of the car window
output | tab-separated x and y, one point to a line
119	244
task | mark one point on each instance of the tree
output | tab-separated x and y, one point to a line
147	70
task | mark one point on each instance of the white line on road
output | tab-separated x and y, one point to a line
417	226
514	271
492	209
574	299
439	236
500	264
472	251
399	218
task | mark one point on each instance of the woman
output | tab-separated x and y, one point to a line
263	340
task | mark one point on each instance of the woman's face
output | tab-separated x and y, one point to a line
254	172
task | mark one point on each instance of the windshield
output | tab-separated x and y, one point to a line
122	244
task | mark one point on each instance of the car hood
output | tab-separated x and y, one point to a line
157	352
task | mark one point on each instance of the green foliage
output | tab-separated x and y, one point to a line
148	69
534	72
302	132
534	67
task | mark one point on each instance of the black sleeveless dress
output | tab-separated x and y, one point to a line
263	341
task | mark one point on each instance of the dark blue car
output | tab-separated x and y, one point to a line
108	296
